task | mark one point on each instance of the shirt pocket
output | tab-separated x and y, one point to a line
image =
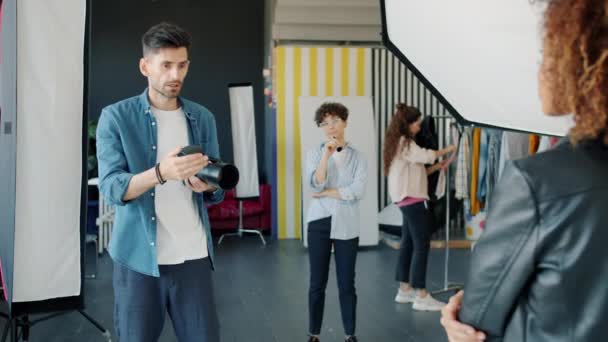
206	146
203	141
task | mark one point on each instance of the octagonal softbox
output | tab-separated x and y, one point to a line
479	57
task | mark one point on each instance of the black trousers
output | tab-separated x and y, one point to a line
415	245
319	252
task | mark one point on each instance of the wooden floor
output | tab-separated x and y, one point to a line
261	294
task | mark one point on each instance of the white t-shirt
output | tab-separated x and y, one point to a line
180	235
329	203
339	158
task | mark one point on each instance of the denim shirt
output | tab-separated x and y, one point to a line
350	180
126	145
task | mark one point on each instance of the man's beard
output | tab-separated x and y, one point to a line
168	94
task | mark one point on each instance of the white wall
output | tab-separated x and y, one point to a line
327	20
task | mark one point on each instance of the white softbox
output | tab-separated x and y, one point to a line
41	144
480	57
242	115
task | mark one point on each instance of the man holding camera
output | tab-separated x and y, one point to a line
161	244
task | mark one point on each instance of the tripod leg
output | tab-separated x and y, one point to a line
14	337
22	329
451	288
25	331
262	237
103	330
5	331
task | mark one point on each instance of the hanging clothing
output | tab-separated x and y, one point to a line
461	180
469	133
475	204
454	140
534	142
427	138
483	166
494	145
441	184
544	144
554	141
514	146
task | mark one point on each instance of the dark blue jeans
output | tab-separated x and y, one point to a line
185	291
319	252
415	245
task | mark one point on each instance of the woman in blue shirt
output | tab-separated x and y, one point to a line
337	174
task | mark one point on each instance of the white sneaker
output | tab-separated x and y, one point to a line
404	297
427	303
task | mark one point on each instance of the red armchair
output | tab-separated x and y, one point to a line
256	212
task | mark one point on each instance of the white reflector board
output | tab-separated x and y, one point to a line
362	135
243	139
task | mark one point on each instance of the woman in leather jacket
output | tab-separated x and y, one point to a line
538	272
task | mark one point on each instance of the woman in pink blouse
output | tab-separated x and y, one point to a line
404	164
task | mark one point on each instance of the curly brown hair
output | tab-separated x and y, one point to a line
330	109
576	62
399	126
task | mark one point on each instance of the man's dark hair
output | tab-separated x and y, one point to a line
331	109
165	35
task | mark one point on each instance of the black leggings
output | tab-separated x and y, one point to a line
415	245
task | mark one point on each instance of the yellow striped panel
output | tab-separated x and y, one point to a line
297	92
329	72
353	70
314	69
345	70
281	142
360	72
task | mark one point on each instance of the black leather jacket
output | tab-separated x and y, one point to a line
427	138
540	270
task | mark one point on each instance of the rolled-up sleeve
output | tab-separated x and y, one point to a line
356	190
312	162
416	154
214	197
214	150
114	176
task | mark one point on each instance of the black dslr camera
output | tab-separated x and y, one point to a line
217	173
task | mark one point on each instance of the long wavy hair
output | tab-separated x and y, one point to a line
398	127
576	46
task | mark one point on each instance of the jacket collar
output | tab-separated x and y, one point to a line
186	105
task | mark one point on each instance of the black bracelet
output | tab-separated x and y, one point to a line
159	177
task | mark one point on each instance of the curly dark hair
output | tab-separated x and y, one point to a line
576	62
331	109
399	126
